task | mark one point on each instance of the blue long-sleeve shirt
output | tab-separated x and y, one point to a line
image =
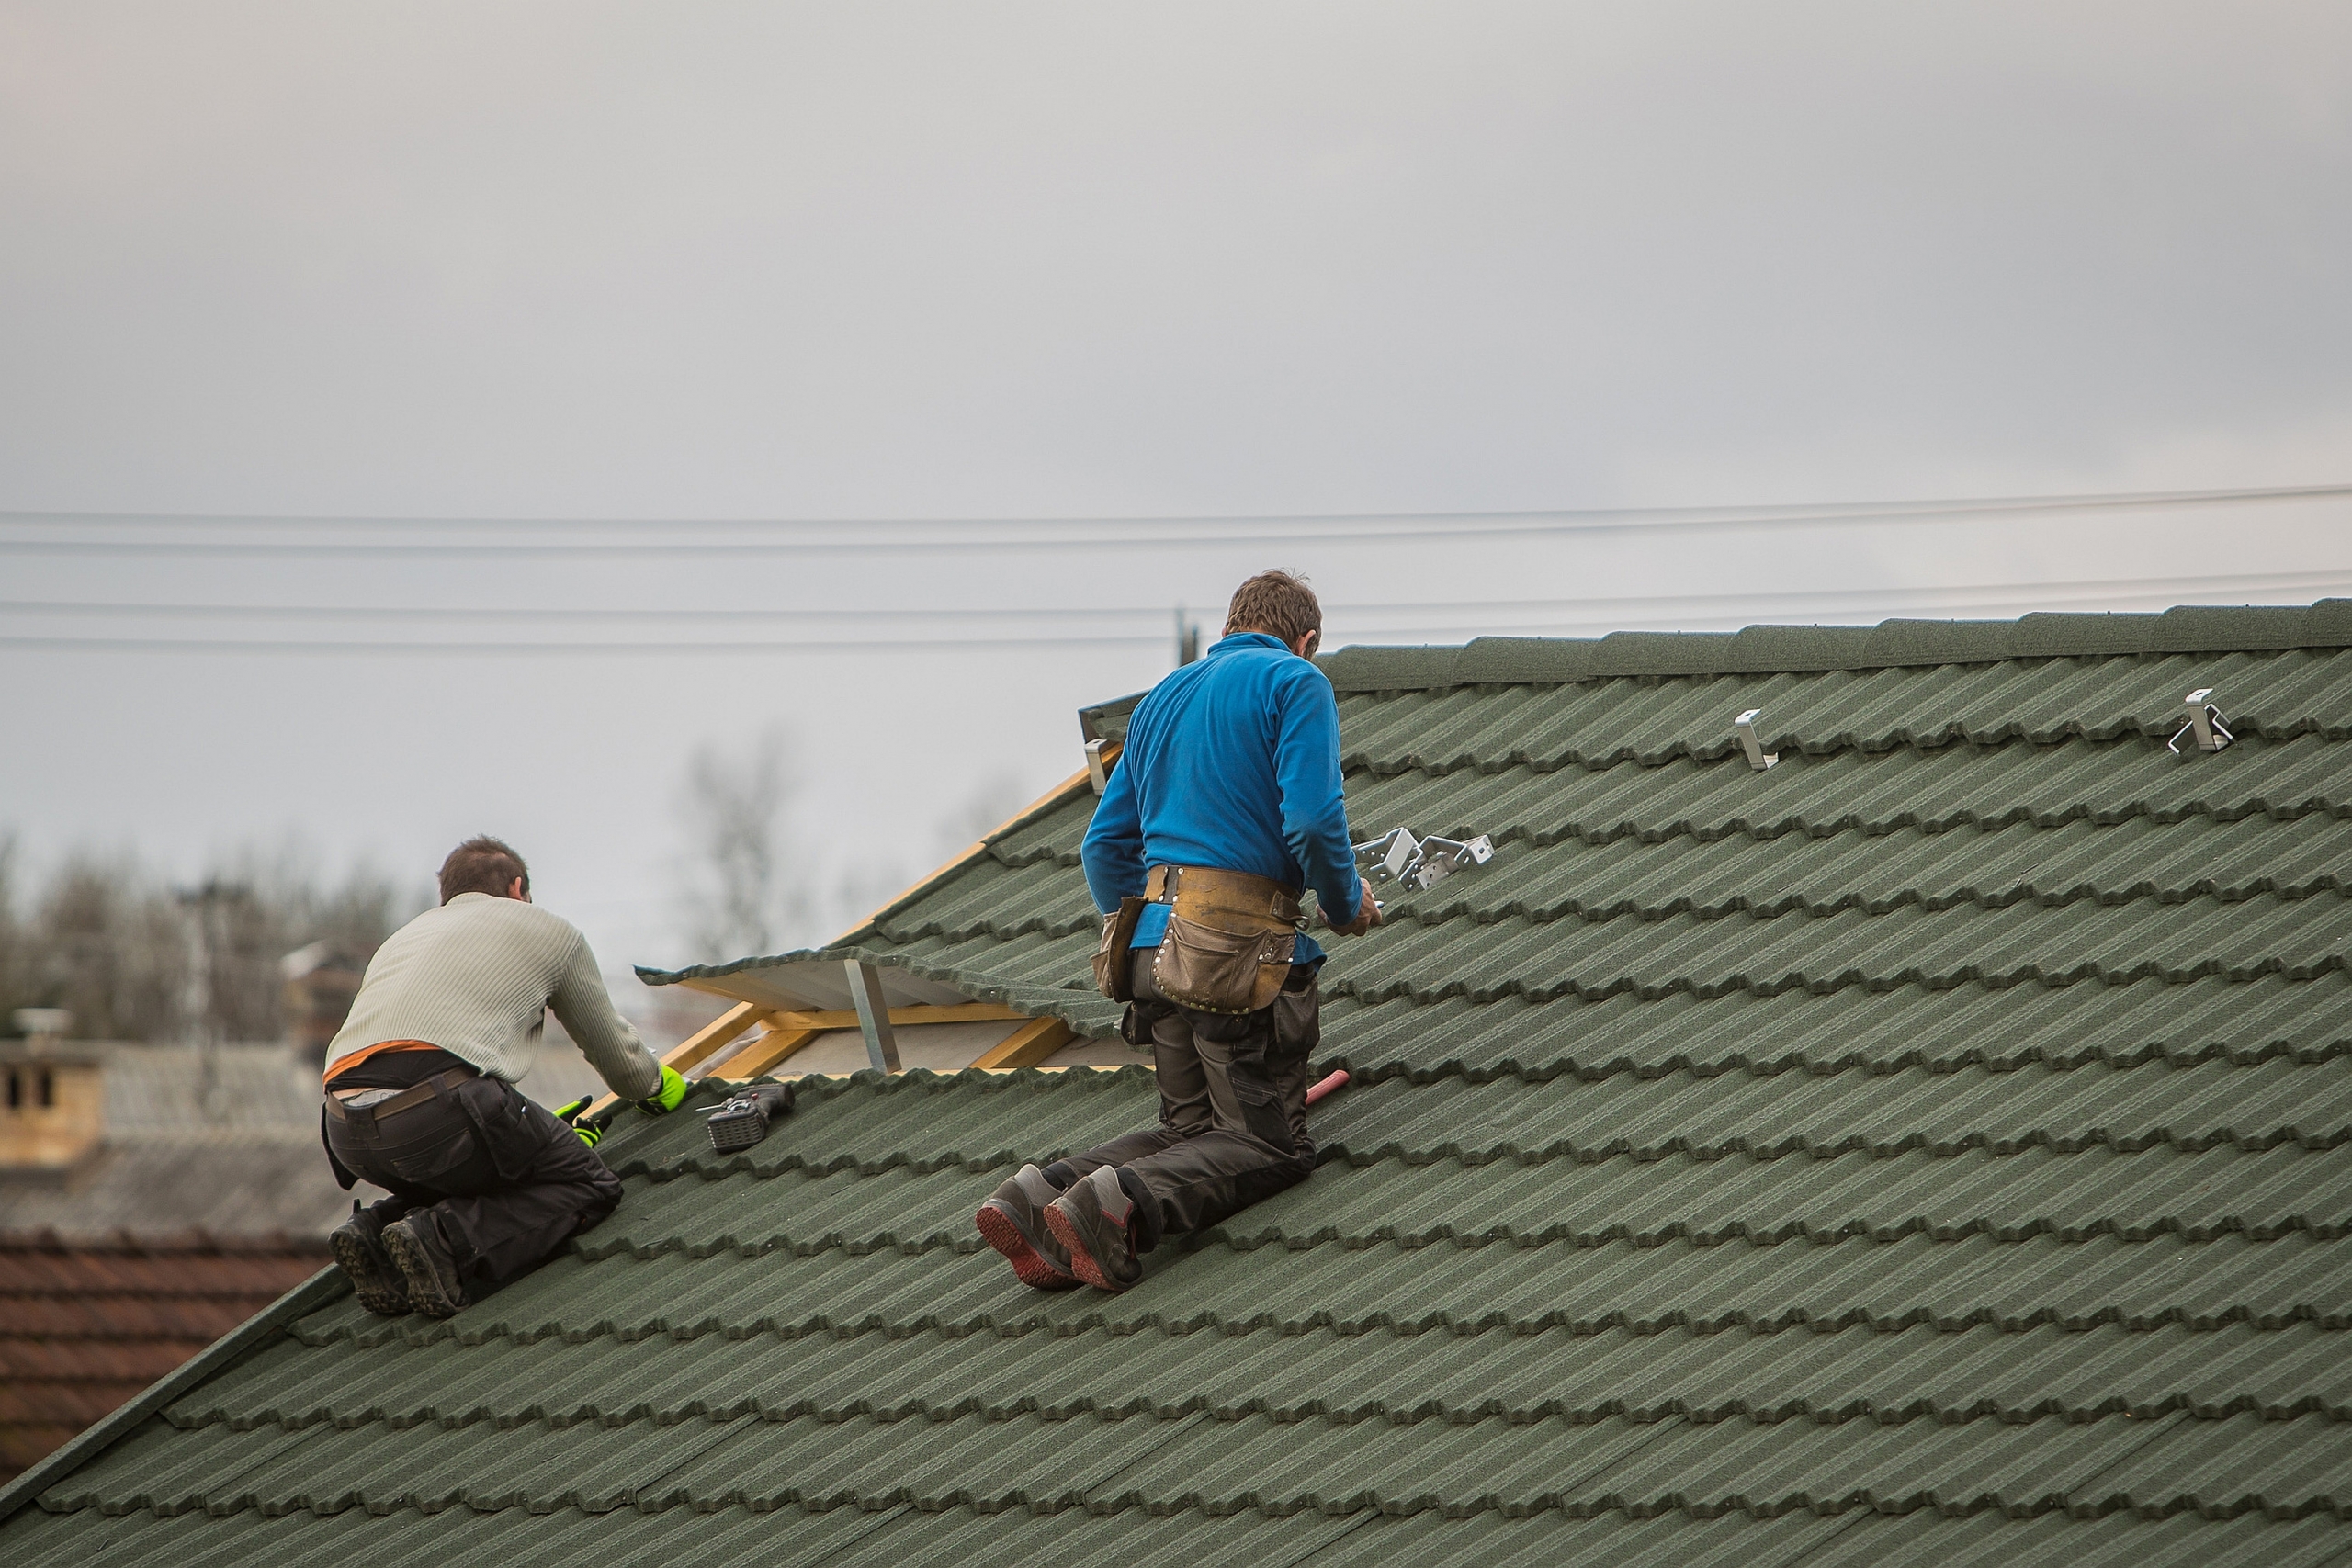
1232	762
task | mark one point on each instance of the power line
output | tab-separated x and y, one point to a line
2105	498
355	645
810	644
1968	595
1342	529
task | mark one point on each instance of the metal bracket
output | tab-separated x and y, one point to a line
1095	773
1385	858
2205	719
1440	858
1420	864
1757	758
873	1016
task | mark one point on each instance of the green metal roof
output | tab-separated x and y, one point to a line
1935	1149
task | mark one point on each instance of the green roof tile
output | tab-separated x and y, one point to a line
1935	1149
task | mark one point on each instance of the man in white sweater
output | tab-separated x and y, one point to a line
420	1096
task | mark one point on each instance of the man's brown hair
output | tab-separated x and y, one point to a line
482	865
1275	603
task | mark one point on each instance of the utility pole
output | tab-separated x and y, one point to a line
1188	638
205	902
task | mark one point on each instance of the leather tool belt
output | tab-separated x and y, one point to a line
406	1099
1230	936
1114	975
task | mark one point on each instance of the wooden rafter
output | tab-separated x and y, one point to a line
901	1017
790	1031
1029	1044
762	1055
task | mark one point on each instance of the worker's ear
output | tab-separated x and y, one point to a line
1306	645
516	890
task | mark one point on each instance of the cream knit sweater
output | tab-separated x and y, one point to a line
476	978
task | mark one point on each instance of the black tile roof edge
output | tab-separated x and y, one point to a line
325	1286
1080	1009
1772	650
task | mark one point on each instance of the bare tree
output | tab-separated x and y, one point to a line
111	947
258	906
16	953
738	897
985	809
134	958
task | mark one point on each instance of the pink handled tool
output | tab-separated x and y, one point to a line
1337	1080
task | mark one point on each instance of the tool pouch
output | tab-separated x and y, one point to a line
1114	975
498	1112
1199	967
1298	1016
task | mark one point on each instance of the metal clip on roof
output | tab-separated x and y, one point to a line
1094	774
1757	758
2205	719
1420	864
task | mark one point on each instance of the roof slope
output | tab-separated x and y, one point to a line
1935	1149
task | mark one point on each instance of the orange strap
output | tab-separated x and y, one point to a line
345	1064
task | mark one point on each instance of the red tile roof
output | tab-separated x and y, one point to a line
86	1324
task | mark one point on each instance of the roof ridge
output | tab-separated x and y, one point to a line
1795	649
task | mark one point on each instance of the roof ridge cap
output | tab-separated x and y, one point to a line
1765	649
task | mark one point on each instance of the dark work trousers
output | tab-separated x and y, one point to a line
508	1181
1232	1107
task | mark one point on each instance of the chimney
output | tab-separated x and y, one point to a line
52	1095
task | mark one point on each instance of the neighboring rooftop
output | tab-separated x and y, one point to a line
86	1324
1935	1148
222	1141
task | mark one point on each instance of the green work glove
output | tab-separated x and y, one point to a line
669	1096
591	1135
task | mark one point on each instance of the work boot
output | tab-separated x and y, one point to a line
426	1262
358	1247
1096	1221
1013	1221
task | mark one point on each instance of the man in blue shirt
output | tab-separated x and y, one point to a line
1224	805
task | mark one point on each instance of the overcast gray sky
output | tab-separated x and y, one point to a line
929	261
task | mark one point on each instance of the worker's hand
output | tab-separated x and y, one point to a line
669	1096
589	1135
1367	913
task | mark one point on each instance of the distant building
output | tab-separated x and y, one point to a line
321	981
